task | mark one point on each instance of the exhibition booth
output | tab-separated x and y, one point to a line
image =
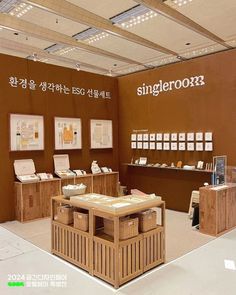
109	162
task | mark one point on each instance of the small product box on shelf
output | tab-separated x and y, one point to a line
128	228
65	214
81	221
147	220
25	170
62	166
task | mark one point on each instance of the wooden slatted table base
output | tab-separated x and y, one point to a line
71	244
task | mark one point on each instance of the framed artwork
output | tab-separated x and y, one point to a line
190	146
152	145
181	136
166	136
166	146
181	146
159	146
173	136
159	136
140	145
208	146
190	136
199	146
199	136
145	145
101	134
139	137
26	132
145	137
67	133
133	137
133	145
208	136
174	146
152	137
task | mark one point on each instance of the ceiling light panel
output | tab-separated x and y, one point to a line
217	16
203	51
105	8
7	5
20	9
181	2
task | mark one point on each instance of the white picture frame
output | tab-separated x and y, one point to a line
152	145
190	136
208	146
101	135
145	137
159	136
174	136
166	146
145	145
133	137
140	137
199	146
133	145
159	146
199	136
140	145
190	146
182	146
67	133
152	137
174	146
26	132
182	136
208	136
166	136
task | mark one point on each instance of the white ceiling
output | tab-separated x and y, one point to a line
217	16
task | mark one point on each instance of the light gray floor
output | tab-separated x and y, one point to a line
209	270
181	238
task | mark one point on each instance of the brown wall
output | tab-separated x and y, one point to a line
208	108
48	104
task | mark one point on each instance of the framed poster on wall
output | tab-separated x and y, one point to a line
26	132
67	133
101	134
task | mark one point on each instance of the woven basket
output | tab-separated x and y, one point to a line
67	192
147	220
65	214
81	221
128	228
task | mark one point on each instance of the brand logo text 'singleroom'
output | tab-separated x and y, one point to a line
161	86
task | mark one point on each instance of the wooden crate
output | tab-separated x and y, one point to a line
99	184
112	180
48	189
71	244
153	248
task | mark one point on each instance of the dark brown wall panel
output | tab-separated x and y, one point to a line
48	104
211	107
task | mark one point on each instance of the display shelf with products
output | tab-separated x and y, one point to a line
106	255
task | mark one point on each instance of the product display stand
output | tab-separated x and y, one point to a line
217	209
108	257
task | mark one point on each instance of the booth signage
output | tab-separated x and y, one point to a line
57	88
161	86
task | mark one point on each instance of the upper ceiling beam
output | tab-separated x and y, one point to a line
30	50
39	32
173	14
83	16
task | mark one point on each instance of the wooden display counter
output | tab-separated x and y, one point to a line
33	199
107	256
217	209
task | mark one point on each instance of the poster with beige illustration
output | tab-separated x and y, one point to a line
26	132
101	134
67	133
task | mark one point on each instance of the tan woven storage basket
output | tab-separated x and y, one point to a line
65	214
81	221
147	220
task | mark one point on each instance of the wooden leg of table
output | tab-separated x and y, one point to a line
164	234
116	242
91	234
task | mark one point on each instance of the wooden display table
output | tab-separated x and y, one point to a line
33	199
109	258
217	209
